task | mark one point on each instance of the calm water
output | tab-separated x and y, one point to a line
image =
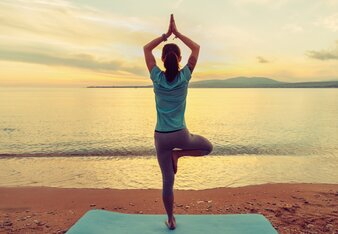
257	135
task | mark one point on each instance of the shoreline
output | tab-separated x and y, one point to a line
290	207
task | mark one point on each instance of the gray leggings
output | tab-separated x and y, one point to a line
166	142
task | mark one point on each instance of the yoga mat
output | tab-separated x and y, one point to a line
104	222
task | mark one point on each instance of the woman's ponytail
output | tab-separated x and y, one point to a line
171	56
171	65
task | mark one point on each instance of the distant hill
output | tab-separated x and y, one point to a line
236	82
245	82
260	82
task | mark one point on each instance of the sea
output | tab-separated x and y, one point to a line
104	137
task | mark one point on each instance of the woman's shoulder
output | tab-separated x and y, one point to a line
185	71
155	72
155	69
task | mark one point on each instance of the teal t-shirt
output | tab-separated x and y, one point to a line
170	98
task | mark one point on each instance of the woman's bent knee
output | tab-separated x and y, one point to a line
209	147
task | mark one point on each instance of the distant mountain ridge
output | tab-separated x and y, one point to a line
236	82
260	82
246	82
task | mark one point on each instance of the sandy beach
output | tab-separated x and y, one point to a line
291	208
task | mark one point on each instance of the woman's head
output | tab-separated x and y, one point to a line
171	57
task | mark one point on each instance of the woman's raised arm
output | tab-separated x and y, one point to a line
148	55
148	48
195	48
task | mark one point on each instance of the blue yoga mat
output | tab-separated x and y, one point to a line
104	222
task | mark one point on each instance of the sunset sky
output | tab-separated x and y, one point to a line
59	43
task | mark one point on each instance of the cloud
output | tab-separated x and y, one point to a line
84	61
329	22
329	54
262	60
59	33
323	55
59	20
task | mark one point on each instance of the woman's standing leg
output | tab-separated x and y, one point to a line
164	158
191	145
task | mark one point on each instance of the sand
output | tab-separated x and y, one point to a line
291	208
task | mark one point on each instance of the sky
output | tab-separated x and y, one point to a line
61	43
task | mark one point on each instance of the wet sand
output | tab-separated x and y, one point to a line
291	208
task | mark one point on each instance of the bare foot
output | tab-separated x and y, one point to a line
175	158
171	224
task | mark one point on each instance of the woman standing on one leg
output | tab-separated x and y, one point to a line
170	88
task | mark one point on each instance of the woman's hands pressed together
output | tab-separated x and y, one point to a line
172	29
173	26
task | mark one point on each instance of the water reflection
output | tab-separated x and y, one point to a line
144	172
121	121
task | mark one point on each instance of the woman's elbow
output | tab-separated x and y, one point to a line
146	48
198	47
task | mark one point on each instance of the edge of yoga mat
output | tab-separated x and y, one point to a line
103	222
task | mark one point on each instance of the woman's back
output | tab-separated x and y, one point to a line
170	98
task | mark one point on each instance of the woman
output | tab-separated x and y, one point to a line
170	88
